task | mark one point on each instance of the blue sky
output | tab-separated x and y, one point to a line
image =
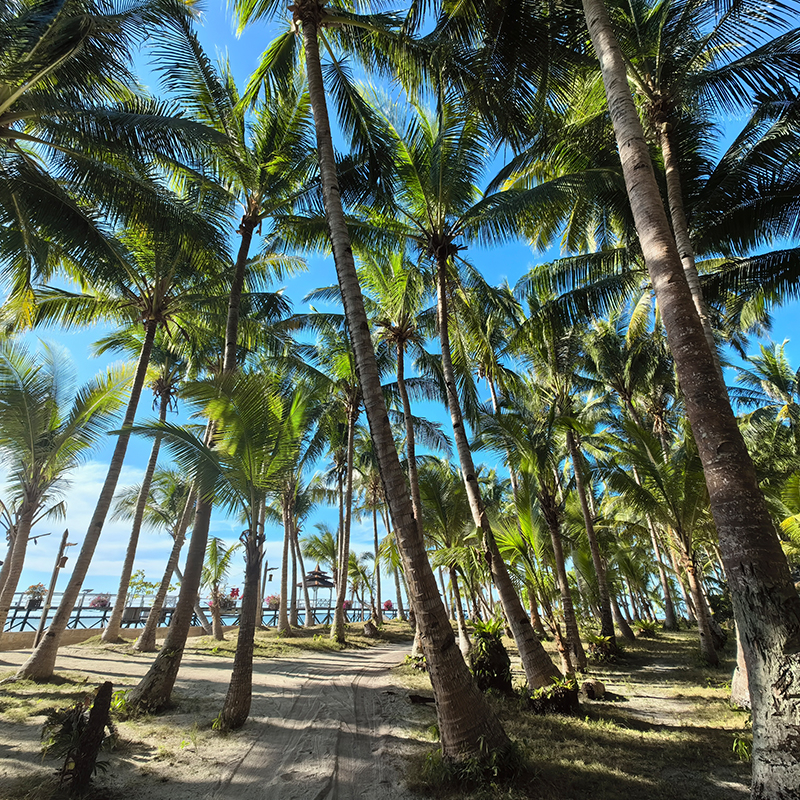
501	264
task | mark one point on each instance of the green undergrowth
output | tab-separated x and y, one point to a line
665	732
22	700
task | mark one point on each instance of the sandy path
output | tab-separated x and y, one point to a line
327	726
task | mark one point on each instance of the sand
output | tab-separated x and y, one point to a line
322	726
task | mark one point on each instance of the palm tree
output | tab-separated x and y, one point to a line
47	428
215	570
770	383
164	386
78	137
768	608
449	528
169	504
439	159
467	726
152	290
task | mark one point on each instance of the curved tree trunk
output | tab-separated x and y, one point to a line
683	242
537	664
153	692
766	604
284	629
606	618
293	618
622	623
576	652
111	633
146	643
378	607
670	620
707	649
16	560
42	661
217	629
536	619
338	625
464	644
468	727
306	599
240	690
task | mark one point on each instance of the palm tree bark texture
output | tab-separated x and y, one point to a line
766	604
469	728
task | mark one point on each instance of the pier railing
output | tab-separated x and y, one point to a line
25	614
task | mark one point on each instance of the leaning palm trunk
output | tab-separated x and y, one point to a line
337	626
240	689
411	447
16	560
154	690
111	633
766	604
146	643
464	644
468	727
308	619
378	610
576	651
707	649
682	239
606	618
42	662
537	664
619	618
670	620
284	628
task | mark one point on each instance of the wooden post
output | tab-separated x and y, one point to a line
61	561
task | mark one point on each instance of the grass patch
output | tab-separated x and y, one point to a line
668	733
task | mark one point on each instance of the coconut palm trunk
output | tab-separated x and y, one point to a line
411	447
240	690
606	617
670	620
154	690
468	727
42	661
463	637
338	624
16	560
111	633
576	651
681	230
307	618
707	649
766	604
378	610
537	664
284	628
146	643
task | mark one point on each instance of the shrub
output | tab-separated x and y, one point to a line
601	649
101	601
387	605
646	629
489	659
560	698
